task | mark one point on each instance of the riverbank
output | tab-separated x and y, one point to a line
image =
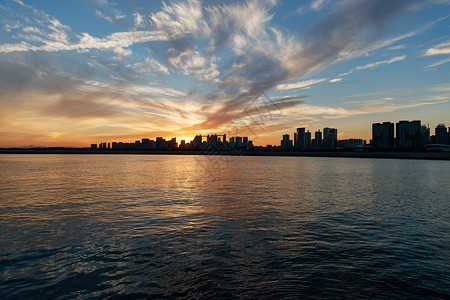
385	155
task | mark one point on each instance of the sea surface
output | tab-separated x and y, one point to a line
169	226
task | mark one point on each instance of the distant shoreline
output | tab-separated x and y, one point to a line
349	154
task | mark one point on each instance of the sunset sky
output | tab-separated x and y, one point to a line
80	72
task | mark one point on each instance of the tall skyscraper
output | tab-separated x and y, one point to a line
160	143
329	138
239	141
408	135
301	138
425	133
441	134
318	140
383	136
245	142
307	140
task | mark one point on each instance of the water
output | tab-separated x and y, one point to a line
155	226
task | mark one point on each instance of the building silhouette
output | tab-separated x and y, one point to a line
307	140
286	142
317	144
300	135
408	135
329	138
425	133
441	134
383	136
350	143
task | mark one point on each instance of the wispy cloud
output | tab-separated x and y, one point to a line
371	101
443	48
398	47
441	62
383	62
192	62
297	85
318	4
101	15
150	65
180	18
86	41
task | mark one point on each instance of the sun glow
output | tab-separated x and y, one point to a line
186	139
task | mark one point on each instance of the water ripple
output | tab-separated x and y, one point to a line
247	227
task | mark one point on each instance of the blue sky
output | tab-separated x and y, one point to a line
80	72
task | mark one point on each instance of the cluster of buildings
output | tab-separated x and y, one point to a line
213	142
144	144
326	140
409	135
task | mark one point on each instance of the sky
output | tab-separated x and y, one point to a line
74	73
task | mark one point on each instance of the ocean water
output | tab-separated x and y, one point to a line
158	226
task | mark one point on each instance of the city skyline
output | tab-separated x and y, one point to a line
80	72
407	136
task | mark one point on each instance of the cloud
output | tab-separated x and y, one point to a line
31	29
180	18
192	62
375	101
318	4
86	41
335	80
101	15
378	63
441	62
398	47
107	11
297	85
150	65
271	56
443	48
46	33
138	20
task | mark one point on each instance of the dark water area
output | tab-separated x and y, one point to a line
156	226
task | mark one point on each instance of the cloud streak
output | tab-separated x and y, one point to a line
443	48
383	62
297	85
86	41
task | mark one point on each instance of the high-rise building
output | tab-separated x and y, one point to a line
383	136
329	138
160	143
307	140
425	133
301	138
172	144
318	140
408	135
245	142
239	141
286	142
441	134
